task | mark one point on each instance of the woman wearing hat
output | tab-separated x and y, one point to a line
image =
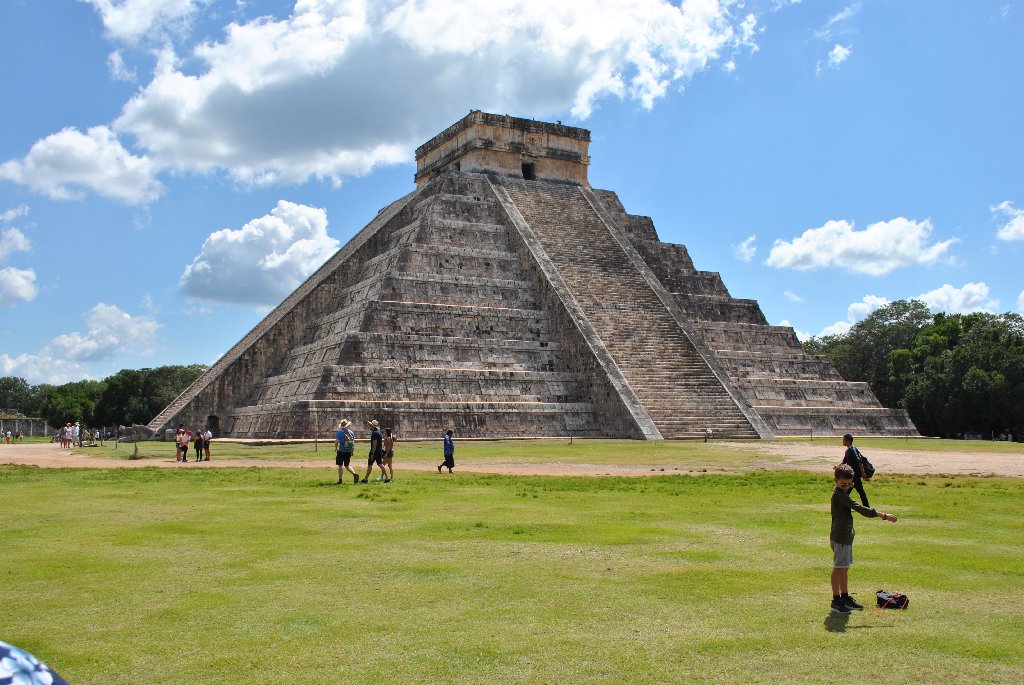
344	446
376	455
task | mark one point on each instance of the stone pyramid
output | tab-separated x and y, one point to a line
505	297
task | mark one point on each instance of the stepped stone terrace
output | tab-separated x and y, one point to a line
505	297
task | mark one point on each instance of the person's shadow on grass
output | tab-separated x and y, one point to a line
837	623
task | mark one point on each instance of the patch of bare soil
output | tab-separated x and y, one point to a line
778	455
807	457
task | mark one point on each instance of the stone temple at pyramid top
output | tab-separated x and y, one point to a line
510	146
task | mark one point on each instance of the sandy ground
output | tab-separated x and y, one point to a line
778	455
805	457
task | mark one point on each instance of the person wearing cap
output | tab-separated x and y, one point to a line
376	455
344	446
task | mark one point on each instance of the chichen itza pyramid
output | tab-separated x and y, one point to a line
506	297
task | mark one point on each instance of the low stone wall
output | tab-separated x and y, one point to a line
27	426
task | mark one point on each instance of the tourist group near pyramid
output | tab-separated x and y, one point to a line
505	297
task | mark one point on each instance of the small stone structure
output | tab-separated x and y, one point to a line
506	297
26	424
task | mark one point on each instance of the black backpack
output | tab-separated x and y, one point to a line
891	600
869	469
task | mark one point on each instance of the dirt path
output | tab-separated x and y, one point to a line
778	455
805	457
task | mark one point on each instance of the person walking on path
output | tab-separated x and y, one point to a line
449	452
852	459
389	456
841	538
344	446
376	455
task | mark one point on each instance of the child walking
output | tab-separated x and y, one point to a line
841	538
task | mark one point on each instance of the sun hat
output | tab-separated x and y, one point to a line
374	424
345	423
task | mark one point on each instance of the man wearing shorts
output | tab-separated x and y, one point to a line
344	446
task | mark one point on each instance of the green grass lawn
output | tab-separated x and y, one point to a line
275	576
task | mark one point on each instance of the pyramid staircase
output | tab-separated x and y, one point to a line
675	384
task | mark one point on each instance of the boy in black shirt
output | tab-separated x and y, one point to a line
841	538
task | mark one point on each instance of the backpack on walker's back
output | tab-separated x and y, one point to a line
869	469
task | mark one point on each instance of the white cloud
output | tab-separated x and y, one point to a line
836	56
264	261
792	296
118	69
110	331
1013	229
14	213
972	297
337	87
847	13
42	368
132	20
95	160
1020	302
746	250
860	310
13	240
17	284
877	250
857	311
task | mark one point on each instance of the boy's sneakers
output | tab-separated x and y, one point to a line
839	607
852	603
355	478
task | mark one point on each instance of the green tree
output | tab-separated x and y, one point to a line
165	383
137	395
15	394
72	402
966	373
123	401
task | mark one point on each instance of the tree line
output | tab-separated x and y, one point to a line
955	374
129	396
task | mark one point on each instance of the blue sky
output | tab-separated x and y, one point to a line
171	169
